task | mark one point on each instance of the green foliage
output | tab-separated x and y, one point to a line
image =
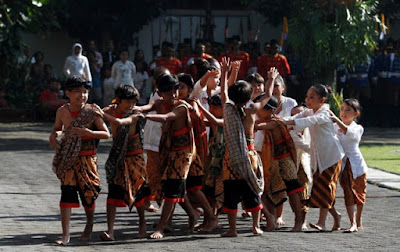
325	33
17	16
335	102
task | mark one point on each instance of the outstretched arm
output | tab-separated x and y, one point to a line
210	117
173	115
224	87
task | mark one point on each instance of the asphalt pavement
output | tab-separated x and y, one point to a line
30	194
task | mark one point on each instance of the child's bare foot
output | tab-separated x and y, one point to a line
229	233
298	227
271	223
360	227
257	231
64	240
192	222
280	222
336	222
87	233
106	237
150	208
211	224
318	226
352	229
157	235
304	227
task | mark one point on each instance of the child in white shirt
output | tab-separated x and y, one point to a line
353	178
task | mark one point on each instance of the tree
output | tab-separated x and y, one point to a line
15	17
101	20
326	33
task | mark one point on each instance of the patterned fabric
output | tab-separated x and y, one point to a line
153	173
200	134
67	151
282	141
217	152
83	173
235	140
118	150
177	150
354	190
323	192
131	175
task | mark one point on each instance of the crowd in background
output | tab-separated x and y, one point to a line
375	83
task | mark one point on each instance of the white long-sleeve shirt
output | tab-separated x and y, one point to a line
326	149
123	73
77	65
350	143
152	130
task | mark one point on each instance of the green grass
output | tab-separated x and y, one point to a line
382	156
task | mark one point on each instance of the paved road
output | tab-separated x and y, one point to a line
29	213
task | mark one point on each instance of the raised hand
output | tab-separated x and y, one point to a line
225	64
273	73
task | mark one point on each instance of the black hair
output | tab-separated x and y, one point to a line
187	79
271	104
212	62
76	81
354	104
240	92
202	66
322	90
127	92
215	100
167	82
254	77
158	72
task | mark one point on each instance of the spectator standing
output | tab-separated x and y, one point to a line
77	64
123	71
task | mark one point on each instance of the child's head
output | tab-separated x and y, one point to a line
268	110
216	105
279	87
350	110
168	86
257	83
158	72
77	90
316	96
240	92
296	110
187	84
126	97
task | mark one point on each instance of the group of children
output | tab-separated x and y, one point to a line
211	145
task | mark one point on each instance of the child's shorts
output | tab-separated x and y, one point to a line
237	191
116	195
174	190
69	197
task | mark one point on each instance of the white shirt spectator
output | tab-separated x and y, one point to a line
123	73
77	64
